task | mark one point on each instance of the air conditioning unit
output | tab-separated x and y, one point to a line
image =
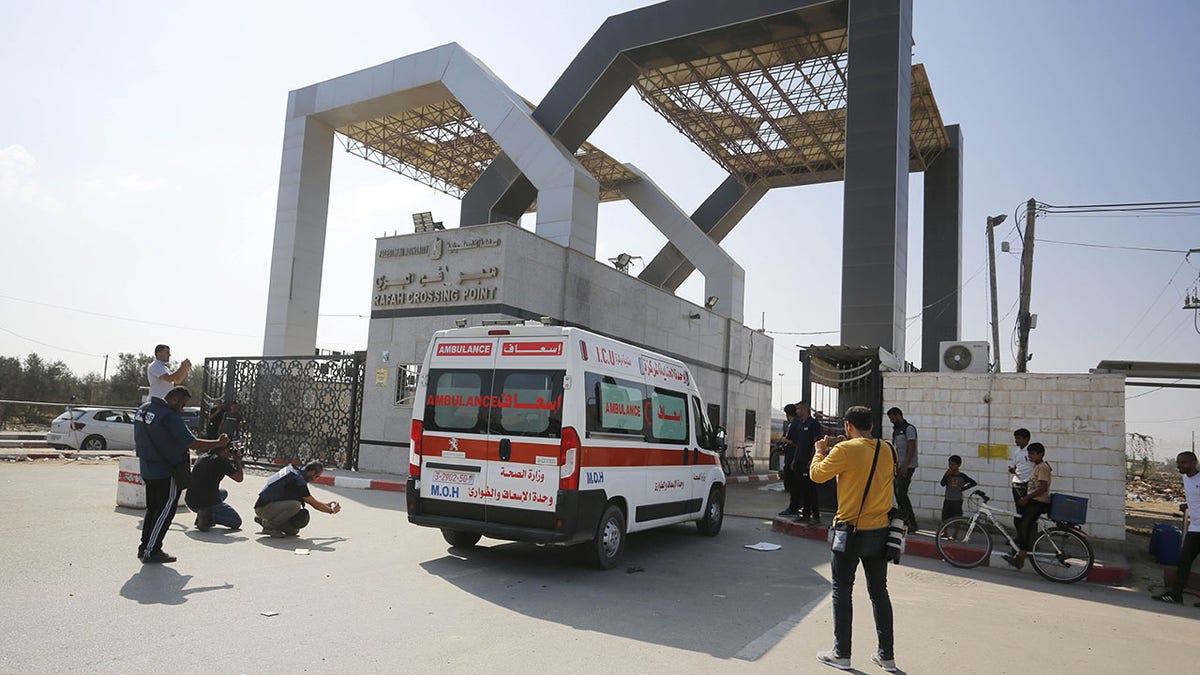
963	357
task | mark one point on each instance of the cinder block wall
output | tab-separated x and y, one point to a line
1079	418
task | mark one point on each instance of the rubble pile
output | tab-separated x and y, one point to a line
1157	487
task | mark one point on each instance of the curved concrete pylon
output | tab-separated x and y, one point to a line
568	196
724	279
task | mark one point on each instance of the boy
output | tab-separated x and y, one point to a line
956	483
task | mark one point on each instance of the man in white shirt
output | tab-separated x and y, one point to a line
159	374
1190	470
1021	469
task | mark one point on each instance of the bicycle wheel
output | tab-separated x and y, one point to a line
747	464
963	543
1062	554
725	465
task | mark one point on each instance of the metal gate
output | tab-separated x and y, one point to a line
294	408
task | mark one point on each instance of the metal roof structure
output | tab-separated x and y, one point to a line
775	110
443	146
778	109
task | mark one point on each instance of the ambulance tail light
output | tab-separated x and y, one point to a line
568	460
499	331
414	451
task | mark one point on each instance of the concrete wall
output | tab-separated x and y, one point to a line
528	276
1079	418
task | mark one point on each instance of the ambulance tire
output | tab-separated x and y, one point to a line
460	539
608	546
714	513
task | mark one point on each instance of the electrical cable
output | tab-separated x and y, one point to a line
125	318
1127	248
46	344
1135	324
1144	393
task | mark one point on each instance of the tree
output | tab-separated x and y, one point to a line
1139	452
128	377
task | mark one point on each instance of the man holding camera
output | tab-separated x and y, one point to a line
865	469
206	497
280	506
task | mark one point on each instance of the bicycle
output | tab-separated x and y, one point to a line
746	461
1060	553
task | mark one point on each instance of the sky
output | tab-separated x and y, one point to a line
140	145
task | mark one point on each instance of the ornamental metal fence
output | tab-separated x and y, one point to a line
291	408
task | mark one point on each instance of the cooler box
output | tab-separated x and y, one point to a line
1068	509
1165	543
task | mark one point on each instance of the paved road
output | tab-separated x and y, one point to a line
378	595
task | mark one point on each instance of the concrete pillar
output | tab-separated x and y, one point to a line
942	265
298	254
875	225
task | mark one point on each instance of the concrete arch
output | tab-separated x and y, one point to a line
568	196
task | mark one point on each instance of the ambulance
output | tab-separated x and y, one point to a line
558	436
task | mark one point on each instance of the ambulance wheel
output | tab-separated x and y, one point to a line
714	513
461	539
609	543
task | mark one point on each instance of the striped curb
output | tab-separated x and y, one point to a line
360	483
752	478
927	548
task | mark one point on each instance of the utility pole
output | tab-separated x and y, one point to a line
1023	316
992	222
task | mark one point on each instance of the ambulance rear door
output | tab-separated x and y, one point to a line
455	439
525	425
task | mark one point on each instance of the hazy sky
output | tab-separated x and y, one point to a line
140	147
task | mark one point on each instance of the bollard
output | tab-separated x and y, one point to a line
131	492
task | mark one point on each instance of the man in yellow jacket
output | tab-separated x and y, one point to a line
865	506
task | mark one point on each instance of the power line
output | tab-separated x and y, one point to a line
1145	393
46	344
1126	248
125	318
1137	323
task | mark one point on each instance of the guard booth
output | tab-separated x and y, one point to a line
837	377
294	409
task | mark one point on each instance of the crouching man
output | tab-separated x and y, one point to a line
206	497
280	506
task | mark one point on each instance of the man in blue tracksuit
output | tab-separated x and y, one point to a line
162	440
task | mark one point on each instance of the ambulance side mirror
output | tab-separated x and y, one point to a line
719	439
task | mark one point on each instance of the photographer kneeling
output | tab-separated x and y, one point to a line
280	506
205	495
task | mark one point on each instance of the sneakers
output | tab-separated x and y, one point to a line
1170	598
160	556
887	664
258	520
787	513
830	658
204	521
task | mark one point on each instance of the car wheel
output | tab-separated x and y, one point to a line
93	443
608	545
460	539
714	513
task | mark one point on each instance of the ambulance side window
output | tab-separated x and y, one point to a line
528	403
703	431
668	416
452	402
614	405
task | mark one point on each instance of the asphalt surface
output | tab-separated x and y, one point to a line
375	594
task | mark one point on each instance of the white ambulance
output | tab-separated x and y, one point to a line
558	436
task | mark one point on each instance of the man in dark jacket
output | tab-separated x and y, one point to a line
162	440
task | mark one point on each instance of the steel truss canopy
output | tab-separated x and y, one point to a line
778	109
764	99
443	146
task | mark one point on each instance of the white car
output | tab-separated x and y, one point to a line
92	429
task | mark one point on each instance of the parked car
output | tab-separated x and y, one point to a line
191	417
87	428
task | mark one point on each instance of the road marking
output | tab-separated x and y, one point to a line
763	643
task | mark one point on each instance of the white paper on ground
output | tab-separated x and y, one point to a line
269	613
764	546
301	551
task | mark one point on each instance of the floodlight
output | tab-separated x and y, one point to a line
711	302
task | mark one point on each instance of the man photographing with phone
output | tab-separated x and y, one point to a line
206	497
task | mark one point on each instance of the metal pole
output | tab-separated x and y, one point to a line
1023	317
991	237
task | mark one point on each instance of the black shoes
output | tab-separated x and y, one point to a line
204	521
160	556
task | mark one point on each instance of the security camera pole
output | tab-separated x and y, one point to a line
1023	317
